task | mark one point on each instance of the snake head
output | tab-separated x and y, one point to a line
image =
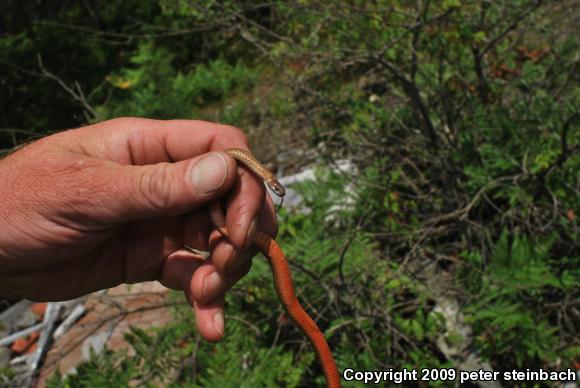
276	187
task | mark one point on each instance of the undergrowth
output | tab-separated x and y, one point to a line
460	123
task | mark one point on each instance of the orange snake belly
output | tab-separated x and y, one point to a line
281	270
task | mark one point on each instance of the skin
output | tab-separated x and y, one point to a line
112	203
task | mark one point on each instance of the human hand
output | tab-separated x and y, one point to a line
115	202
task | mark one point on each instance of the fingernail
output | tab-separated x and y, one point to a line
218	322
209	173
230	256
212	285
251	233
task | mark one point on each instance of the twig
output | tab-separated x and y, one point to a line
75	91
511	27
341	258
50	316
462	213
22	333
76	313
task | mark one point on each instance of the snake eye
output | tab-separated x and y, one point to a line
277	188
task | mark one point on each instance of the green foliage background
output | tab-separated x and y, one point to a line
461	118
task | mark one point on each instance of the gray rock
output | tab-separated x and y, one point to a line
17	316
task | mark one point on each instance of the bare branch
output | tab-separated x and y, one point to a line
511	27
74	91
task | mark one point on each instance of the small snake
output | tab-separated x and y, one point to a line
280	268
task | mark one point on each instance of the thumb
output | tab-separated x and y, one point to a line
167	189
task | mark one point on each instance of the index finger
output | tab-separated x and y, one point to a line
144	141
138	141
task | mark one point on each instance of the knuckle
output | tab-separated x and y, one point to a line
156	186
